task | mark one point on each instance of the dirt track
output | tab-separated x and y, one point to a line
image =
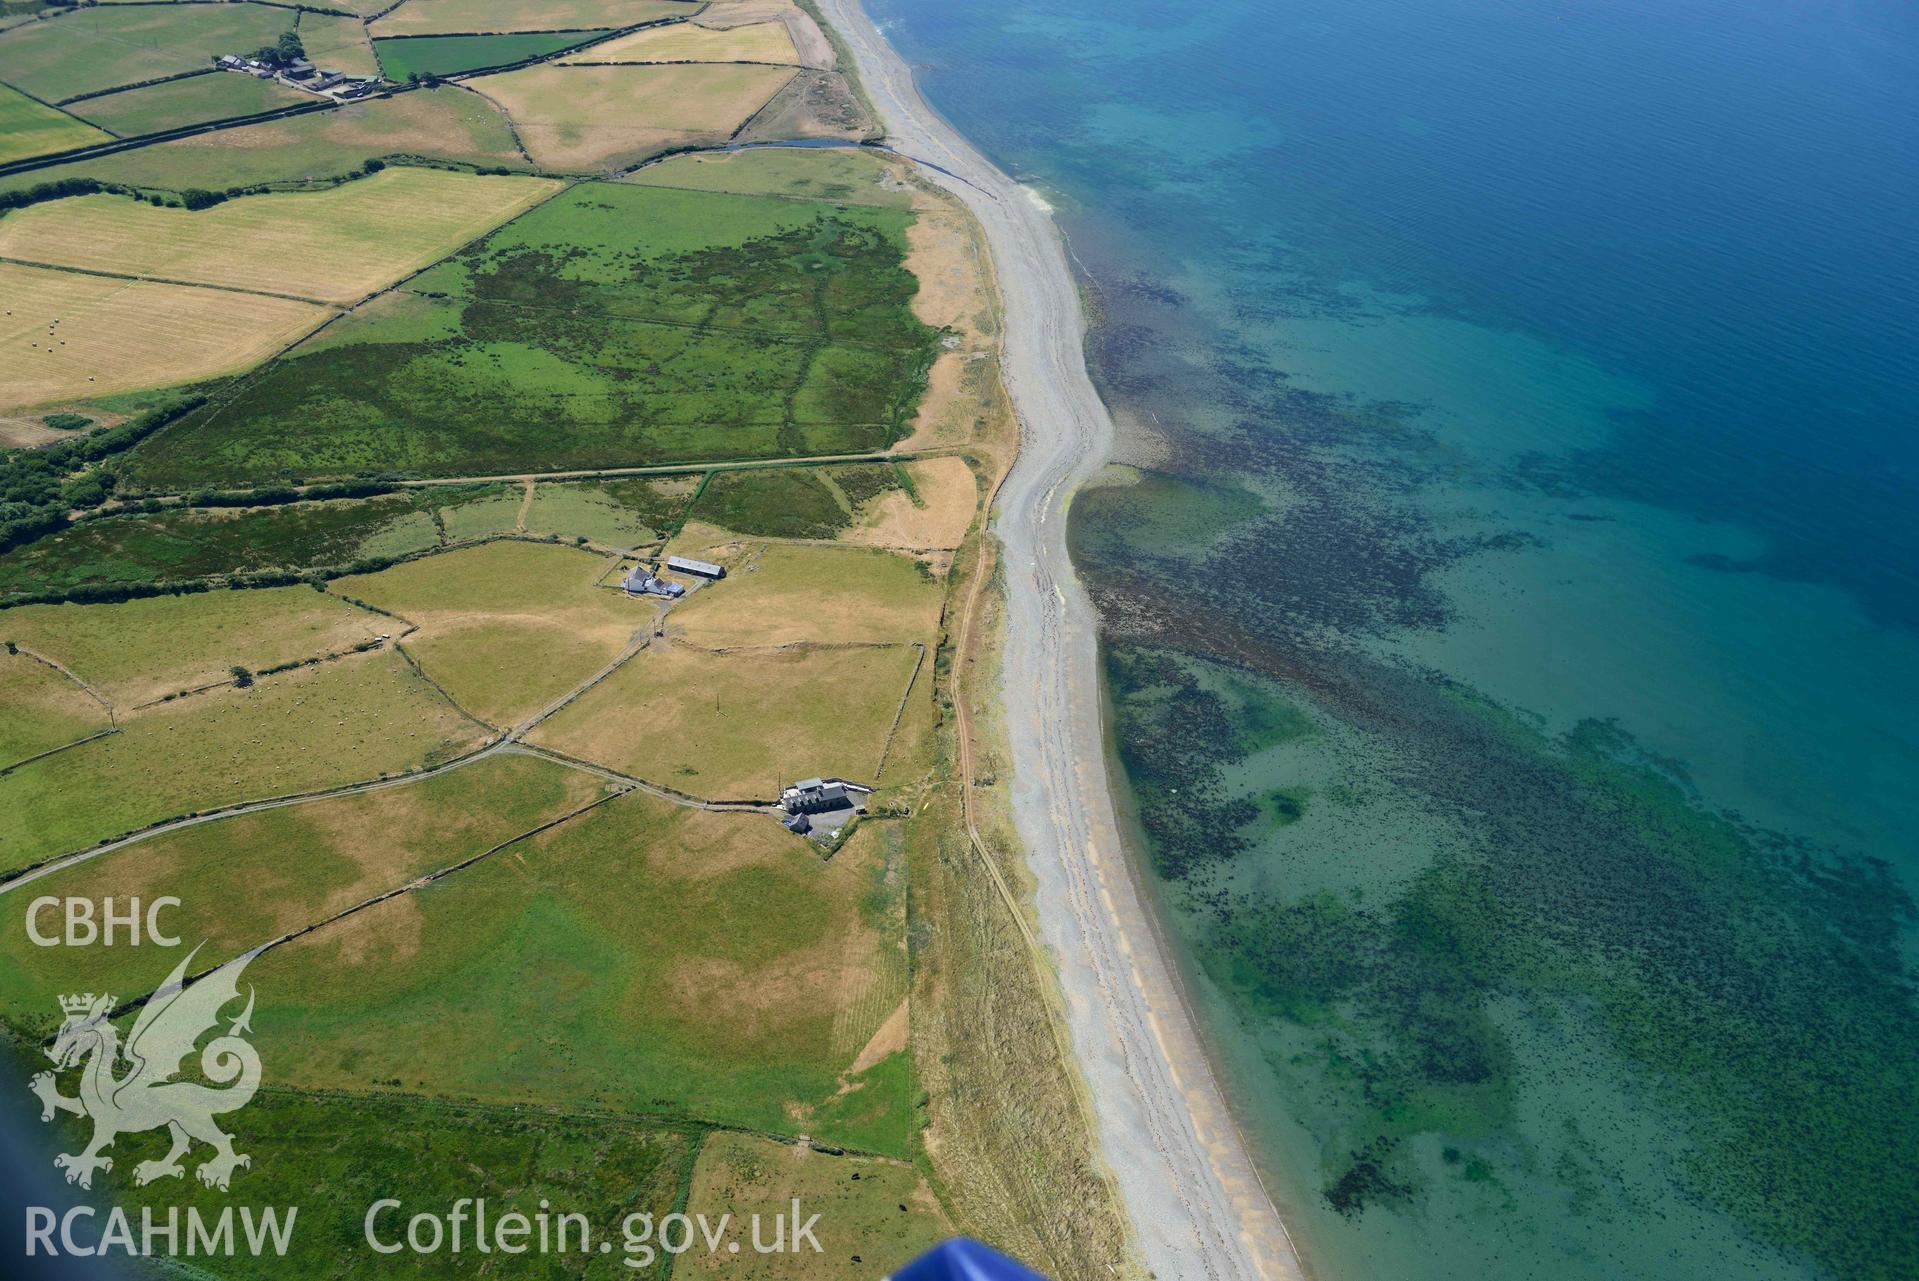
1193	1195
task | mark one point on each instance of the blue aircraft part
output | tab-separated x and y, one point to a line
964	1260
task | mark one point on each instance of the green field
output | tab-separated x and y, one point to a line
738	726
333	1157
139	650
29	129
319	727
324	146
444	17
40	709
191	543
88	49
450	55
644	957
789	502
620	513
845	176
247	880
614	325
507	627
335	43
214	96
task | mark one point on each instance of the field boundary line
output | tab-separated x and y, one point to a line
660	790
440	689
133	85
54	106
899	713
55	751
105	703
168	280
417	883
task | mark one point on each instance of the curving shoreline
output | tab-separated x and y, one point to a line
1192	1193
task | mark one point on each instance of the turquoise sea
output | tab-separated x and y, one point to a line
1511	595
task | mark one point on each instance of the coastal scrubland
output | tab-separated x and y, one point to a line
614	325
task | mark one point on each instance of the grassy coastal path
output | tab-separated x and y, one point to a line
1192	1192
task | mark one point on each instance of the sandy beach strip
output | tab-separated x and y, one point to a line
1191	1191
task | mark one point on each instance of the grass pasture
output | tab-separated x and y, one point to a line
338	44
762	42
620	513
188	544
69	336
319	727
246	880
85	50
738	726
789	594
600	119
878	1212
507	627
451	55
613	326
443	123
214	96
479	512
775	502
136	651
449	17
40	709
335	1156
29	129
840	175
644	957
336	245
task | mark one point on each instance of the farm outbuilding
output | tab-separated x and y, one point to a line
702	568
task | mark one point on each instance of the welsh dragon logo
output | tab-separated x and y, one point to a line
146	1096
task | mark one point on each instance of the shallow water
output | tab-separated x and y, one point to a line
1513	618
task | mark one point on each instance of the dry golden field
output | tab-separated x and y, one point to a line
824	594
68	336
949	495
507	627
586	119
684	42
738	726
335	246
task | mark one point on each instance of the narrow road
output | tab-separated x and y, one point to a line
1193	1195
